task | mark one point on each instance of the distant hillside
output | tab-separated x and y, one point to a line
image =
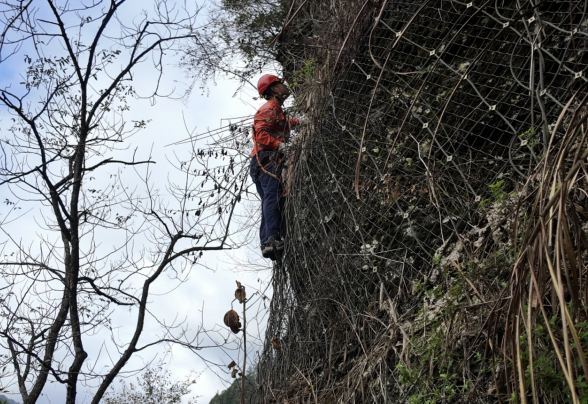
232	395
6	400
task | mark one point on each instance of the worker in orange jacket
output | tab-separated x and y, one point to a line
271	130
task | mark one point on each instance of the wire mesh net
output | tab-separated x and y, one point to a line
436	118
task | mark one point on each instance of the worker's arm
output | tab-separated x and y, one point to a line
285	145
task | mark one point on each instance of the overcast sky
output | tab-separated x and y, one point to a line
210	290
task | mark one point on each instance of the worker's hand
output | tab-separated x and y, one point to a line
284	147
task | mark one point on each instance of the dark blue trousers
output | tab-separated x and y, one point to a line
271	194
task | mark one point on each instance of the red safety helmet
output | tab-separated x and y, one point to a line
265	81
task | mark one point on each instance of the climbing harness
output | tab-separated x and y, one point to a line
276	158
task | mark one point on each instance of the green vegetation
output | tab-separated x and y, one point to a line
256	23
232	395
408	163
547	372
406	376
304	74
498	193
6	400
241	32
438	371
529	137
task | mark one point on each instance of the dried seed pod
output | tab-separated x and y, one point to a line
232	365
240	292
276	344
231	320
234	373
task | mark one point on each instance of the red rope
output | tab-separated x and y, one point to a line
263	167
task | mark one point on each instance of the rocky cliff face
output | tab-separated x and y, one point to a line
437	208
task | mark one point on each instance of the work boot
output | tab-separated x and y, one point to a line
268	253
273	246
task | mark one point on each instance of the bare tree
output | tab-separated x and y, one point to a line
64	153
153	387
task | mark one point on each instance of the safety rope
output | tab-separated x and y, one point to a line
255	147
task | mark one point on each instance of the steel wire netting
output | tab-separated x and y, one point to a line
449	107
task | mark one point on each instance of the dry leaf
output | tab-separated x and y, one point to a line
232	321
232	365
240	295
240	292
240	374
276	344
535	301
234	373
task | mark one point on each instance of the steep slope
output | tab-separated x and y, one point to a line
437	211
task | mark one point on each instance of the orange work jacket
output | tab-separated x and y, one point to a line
270	127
